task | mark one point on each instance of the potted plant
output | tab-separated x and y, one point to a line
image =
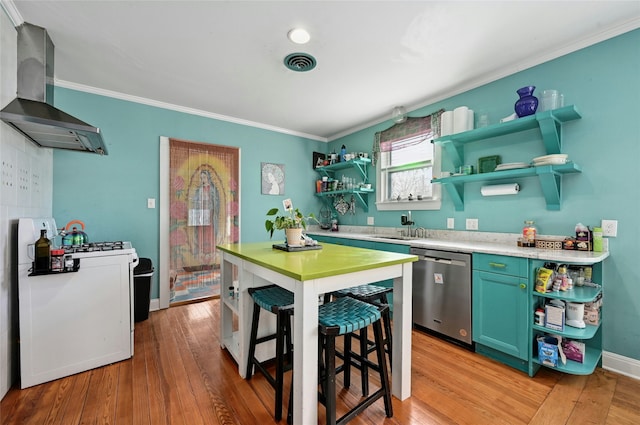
292	222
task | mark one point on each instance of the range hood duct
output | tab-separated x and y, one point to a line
32	113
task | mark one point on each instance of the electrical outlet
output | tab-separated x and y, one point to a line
472	224
151	203
450	223
609	228
370	221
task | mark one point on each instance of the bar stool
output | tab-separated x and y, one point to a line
341	317
278	301
369	294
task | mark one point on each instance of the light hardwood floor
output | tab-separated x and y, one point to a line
180	375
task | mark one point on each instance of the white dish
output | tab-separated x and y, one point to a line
553	161
559	158
512	166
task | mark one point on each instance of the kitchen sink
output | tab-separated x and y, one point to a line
399	238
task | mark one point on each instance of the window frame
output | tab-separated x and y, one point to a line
432	203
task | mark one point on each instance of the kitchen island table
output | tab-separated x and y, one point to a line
309	274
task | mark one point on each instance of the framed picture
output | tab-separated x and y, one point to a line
318	159
272	176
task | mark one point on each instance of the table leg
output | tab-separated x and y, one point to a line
305	354
402	305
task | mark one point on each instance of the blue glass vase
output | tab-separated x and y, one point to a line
528	103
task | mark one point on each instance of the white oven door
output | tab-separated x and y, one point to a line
73	322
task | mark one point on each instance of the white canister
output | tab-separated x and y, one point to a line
460	119
447	123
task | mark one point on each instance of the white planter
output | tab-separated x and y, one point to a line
294	237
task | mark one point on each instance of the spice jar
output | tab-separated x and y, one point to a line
529	233
57	260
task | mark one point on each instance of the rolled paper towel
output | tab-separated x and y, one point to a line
460	119
447	123
500	189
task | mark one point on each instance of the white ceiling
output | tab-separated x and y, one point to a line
224	59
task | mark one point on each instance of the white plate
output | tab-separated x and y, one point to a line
512	166
551	162
554	161
559	158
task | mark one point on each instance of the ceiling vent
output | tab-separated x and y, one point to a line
300	62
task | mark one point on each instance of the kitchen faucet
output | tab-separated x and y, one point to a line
405	220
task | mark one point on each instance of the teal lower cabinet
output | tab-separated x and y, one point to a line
500	309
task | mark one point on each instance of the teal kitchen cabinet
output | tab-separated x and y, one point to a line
500	308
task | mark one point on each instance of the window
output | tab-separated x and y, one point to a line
406	161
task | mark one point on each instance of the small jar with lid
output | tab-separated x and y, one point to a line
529	233
57	260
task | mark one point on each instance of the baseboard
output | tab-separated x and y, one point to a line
620	364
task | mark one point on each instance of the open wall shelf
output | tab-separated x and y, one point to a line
550	176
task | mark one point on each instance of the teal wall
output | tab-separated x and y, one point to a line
109	193
603	81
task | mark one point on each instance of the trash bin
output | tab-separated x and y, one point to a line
142	275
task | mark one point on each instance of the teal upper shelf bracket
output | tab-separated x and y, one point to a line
550	177
549	123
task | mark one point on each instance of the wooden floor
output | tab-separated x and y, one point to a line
179	375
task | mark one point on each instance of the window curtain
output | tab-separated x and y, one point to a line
412	127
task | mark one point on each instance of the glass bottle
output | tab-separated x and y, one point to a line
43	253
529	232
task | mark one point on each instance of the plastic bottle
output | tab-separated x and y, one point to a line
42	261
343	152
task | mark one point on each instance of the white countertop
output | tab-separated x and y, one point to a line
479	242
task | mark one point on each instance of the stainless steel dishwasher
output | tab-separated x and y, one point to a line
442	294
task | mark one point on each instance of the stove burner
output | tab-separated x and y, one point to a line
94	246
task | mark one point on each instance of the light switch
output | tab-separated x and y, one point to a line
151	202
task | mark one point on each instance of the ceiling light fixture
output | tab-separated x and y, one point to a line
399	114
299	36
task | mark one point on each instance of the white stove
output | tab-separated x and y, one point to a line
77	320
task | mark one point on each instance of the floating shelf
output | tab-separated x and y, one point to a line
549	123
361	195
358	164
550	177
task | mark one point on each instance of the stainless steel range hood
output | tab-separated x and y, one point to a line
32	113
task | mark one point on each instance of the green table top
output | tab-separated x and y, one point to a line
331	260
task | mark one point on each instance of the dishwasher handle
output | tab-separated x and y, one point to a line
444	261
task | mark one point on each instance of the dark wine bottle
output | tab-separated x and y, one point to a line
43	253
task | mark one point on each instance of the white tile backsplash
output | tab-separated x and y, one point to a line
26	189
